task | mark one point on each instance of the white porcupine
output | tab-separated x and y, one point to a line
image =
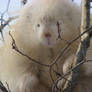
36	34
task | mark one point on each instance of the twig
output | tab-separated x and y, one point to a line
3	25
67	73
81	52
14	46
8	87
69	44
2	87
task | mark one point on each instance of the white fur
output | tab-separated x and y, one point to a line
22	74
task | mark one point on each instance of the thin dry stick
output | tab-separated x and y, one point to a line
83	46
14	46
1	19
8	87
58	57
69	44
64	76
2	88
3	25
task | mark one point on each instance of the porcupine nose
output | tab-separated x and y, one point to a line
47	35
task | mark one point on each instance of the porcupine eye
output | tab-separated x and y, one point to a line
38	25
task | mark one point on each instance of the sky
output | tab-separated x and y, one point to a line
14	4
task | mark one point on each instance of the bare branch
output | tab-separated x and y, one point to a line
2	88
83	46
3	25
14	46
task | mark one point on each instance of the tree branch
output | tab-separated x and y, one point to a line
83	46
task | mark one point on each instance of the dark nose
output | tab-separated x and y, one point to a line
47	35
